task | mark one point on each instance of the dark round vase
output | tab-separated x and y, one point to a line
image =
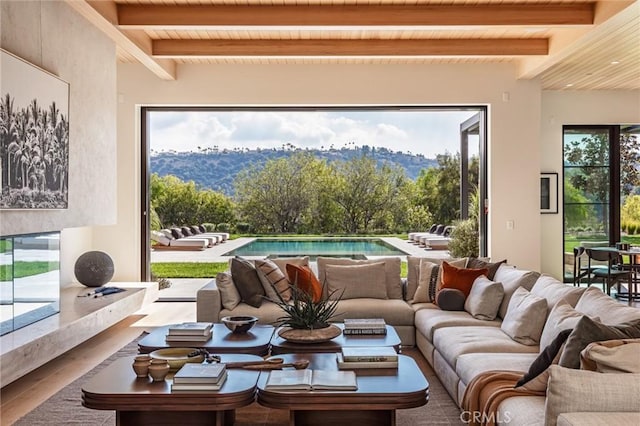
94	268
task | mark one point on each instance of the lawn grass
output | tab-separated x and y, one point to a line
26	269
188	269
571	241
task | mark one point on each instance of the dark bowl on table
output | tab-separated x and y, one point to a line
239	324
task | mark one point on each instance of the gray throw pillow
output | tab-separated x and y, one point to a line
587	331
484	299
247	282
525	317
475	263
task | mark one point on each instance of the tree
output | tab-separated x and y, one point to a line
363	191
276	197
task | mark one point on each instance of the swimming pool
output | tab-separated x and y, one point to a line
330	247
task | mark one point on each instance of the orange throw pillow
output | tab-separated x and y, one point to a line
460	278
304	278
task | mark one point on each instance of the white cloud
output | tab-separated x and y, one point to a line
417	131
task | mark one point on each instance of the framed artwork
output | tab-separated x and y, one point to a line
549	193
34	132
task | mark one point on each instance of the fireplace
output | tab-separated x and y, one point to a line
29	279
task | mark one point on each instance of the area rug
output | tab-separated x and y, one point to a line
65	407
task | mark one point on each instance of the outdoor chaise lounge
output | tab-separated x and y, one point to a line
162	242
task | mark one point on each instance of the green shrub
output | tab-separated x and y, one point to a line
243	227
223	227
465	239
210	227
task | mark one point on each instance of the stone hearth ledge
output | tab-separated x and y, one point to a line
80	319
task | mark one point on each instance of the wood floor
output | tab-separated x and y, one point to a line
23	395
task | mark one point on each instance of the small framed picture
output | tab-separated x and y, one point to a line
548	193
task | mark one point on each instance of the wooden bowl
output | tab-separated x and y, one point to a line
177	357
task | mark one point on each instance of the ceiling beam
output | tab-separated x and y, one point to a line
103	15
204	16
342	47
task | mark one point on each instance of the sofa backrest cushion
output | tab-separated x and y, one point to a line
512	278
413	273
476	263
595	303
553	291
561	317
572	391
485	298
525	317
247	281
392	267
356	281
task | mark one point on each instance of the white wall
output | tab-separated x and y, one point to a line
51	35
513	129
574	107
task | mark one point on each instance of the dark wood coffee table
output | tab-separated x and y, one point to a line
281	346
143	402
222	341
380	393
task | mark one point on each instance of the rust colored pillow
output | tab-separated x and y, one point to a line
304	278
460	278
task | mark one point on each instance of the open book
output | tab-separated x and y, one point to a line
311	380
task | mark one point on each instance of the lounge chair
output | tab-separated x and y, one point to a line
162	242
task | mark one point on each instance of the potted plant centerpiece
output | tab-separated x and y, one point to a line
305	319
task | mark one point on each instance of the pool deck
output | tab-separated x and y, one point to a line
216	253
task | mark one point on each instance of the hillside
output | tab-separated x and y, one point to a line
217	169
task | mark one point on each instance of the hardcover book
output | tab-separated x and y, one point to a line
200	373
191	328
354	365
187	337
369	354
307	379
364	323
365	331
198	387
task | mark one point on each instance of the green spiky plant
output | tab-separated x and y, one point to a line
301	312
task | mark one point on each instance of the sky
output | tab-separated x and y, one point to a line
426	132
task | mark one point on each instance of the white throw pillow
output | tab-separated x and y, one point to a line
484	299
525	317
356	281
229	295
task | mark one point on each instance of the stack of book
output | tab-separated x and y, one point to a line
190	332
193	377
367	357
364	326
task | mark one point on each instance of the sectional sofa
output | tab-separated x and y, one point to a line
460	347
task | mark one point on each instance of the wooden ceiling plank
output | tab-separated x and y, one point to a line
355	15
102	14
345	47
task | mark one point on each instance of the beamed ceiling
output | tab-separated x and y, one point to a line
569	45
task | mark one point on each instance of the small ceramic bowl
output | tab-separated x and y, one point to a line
177	357
239	324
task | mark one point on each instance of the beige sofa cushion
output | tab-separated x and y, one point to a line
525	317
512	278
561	317
229	296
521	411
452	342
392	266
484	299
356	281
595	303
590	418
612	356
553	291
429	320
572	390
473	364
394	311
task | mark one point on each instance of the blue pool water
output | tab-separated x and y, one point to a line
334	247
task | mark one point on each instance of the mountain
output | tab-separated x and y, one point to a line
217	170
